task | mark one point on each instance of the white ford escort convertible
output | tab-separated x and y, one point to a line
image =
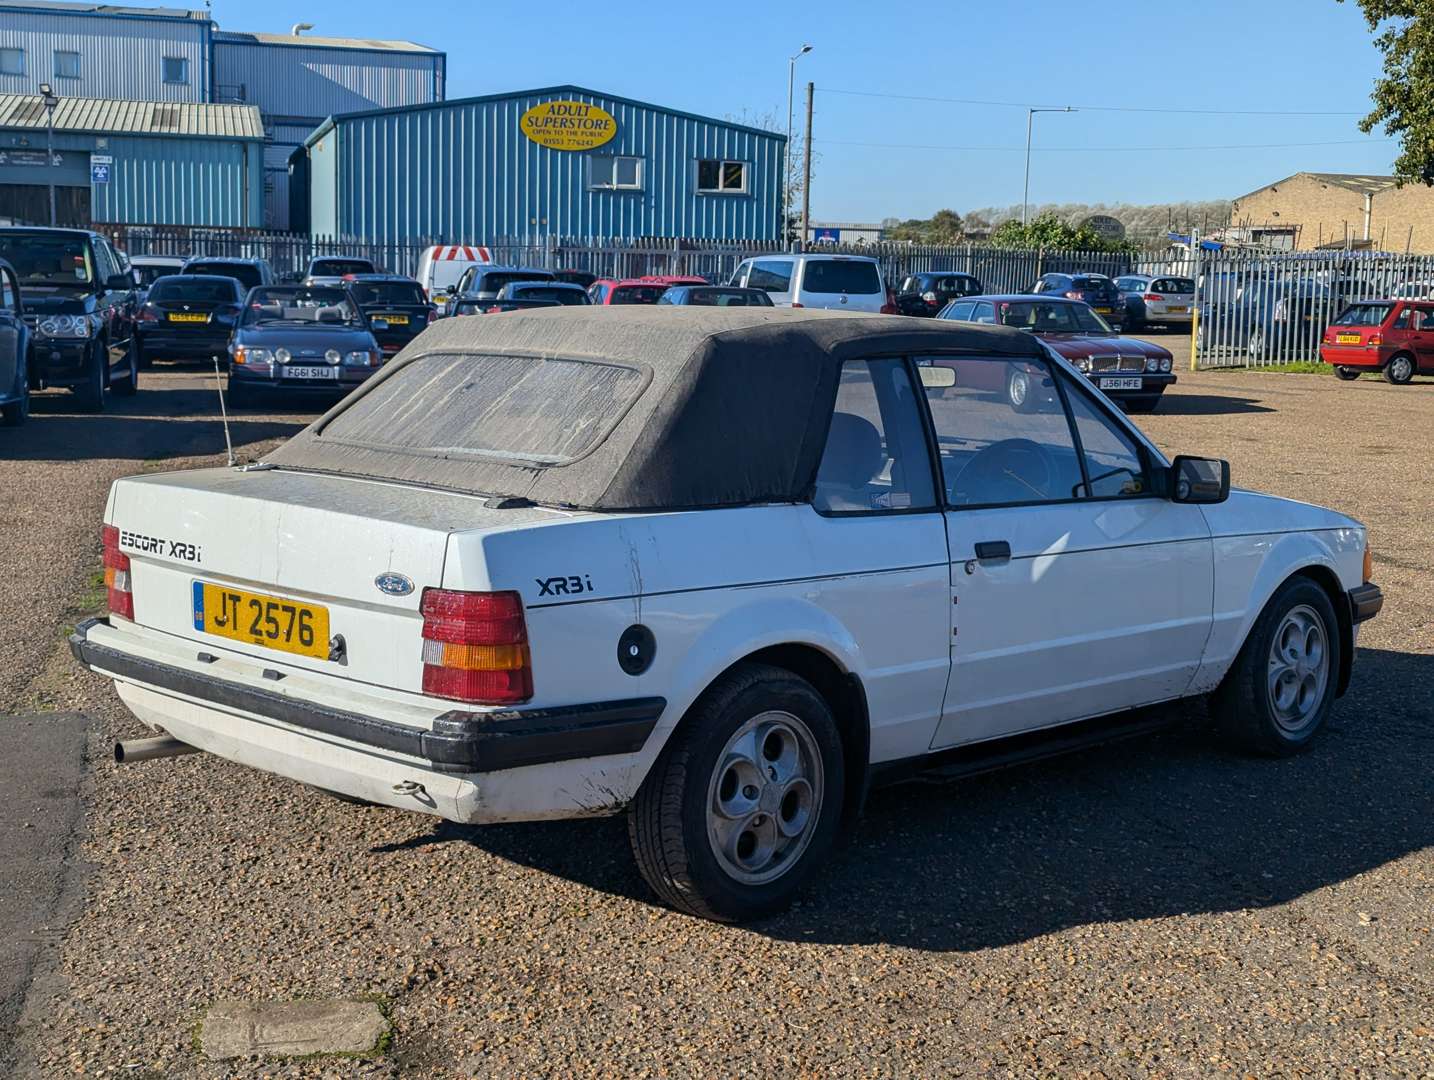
720	568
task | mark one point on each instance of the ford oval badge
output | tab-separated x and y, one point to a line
394	584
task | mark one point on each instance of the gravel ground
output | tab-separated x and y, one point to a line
1158	908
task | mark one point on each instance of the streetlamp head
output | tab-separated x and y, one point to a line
45	90
806	49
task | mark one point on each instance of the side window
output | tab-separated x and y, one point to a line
1002	432
876	457
985	313
1113	461
1401	321
104	264
1423	318
7	293
739	275
961	312
772	275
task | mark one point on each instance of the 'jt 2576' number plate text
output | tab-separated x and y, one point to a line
286	625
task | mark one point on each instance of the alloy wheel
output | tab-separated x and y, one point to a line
1298	669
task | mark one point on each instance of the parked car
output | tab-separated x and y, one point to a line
78	294
1097	290
625	291
1162	301
924	295
187	317
1414	290
556	291
484	282
1392	336
332	269
498	307
848	282
396	301
575	277
15	353
676	279
150	268
1267	318
707	576
440	267
251	273
298	338
715	296
1131	372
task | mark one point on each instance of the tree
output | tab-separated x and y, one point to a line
793	183
943	227
1050	231
1404	96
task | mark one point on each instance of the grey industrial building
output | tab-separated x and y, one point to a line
132	58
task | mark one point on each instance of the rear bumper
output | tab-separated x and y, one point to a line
1365	602
458	742
185	345
1355	356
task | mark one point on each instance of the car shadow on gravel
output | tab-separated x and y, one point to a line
1162	826
139	438
1209	405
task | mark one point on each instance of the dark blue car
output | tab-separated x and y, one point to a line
14	351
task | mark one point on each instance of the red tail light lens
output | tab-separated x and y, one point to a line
1153	296
1376	339
147	314
1073	295
475	647
117	580
889	308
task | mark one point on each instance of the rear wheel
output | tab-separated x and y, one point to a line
90	395
15	413
1345	374
1278	693
1400	369
744	801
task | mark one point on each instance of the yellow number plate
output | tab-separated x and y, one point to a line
1176	310
1347	339
394	320
286	625
175	316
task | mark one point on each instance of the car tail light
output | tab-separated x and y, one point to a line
147	314
796	303
929	297
117	580
475	647
1153	296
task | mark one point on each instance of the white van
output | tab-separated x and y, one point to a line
840	282
442	266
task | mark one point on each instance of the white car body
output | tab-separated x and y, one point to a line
792	281
442	265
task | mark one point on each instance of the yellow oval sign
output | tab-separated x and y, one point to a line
568	125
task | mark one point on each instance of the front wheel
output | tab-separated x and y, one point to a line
1020	391
14	413
90	394
1400	369
744	801
128	383
1345	374
1277	695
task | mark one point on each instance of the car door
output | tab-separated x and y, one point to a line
1421	336
878	530
1075	590
111	303
11	335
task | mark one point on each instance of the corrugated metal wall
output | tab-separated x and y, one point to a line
465	172
159	181
312	81
120	57
323	185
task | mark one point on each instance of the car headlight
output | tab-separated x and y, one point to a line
1152	363
1083	364
333	356
362	358
282	356
76	326
1165	363
253	357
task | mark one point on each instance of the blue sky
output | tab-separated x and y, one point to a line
730	59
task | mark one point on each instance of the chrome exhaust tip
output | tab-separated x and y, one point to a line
147	749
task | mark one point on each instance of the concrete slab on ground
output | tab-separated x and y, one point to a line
234	1029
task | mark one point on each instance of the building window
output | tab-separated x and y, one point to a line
727	177
176	69
618	173
12	61
67	65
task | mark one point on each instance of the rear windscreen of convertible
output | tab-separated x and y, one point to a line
515	408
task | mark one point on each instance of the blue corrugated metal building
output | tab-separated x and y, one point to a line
560	161
157	163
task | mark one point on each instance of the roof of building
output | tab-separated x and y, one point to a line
174	118
244	37
1361	183
542	91
698	406
69	8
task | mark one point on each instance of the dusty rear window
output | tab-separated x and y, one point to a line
517	409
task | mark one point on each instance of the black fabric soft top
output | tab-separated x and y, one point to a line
734	411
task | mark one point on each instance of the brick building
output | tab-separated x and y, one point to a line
1307	211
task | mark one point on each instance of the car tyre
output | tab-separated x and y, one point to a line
90	395
1345	374
128	384
142	359
1256	344
744	802
1399	370
1276	697
14	413
1020	390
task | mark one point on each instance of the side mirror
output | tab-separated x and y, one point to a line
378	324
120	282
1199	480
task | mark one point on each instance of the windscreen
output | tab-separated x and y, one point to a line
637	294
840	276
1363	315
181	288
339	267
509	408
47	258
495	281
390	293
148	275
1048	318
548	292
245	273
300	307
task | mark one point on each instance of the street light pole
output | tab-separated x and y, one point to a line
787	153
49	100
1026	193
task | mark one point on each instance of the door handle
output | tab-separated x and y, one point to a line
993	551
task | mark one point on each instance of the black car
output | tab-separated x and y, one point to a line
558	292
483	282
575	277
301	338
14	351
716	296
923	295
79	295
396	301
251	273
1097	290
187	317
333	269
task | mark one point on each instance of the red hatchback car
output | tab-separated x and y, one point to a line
1392	336
626	291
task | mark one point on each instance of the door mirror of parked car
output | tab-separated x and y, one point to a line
937	378
1199	480
378	324
120	282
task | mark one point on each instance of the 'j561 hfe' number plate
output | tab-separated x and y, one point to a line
287	625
